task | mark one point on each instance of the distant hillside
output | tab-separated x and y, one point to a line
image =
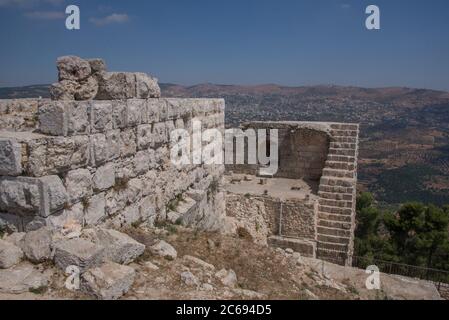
405	132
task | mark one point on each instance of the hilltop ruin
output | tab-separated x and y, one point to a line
97	158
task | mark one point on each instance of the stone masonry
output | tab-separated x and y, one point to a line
309	204
99	153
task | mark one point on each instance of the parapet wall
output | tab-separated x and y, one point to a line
105	161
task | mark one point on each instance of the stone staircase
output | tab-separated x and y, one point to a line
337	192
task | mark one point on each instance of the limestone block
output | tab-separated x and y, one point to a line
87	89
63	90
128	142
37	245
32	196
160	133
99	149
63	118
54	195
104	177
78	184
119	110
95	210
11	222
109	281
23	278
169	127
78	252
116	85
142	161
135	112
73	68
57	154
119	247
154	108
146	86
101	116
10	157
113	144
144	137
10	254
97	65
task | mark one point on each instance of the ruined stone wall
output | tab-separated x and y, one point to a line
323	152
95	161
265	217
19	114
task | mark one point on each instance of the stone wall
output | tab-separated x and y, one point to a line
326	155
99	152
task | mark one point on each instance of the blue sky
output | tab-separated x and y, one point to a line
288	42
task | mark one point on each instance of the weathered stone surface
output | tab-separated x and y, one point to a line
63	90
116	86
78	184
119	247
104	177
10	254
196	262
101	116
97	65
20	195
109	281
146	86
87	89
164	249
78	252
227	277
189	279
15	238
23	278
10	157
73	68
95	211
37	245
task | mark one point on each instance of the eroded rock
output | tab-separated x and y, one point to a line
10	254
78	252
109	281
119	247
164	249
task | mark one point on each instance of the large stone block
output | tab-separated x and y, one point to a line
136	112
113	144
37	245
64	118
32	196
78	184
108	282
116	85
56	155
128	142
146	86
95	209
78	252
144	137
119	247
104	177
101	116
99	149
10	157
10	255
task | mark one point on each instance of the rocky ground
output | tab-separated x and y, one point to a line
178	263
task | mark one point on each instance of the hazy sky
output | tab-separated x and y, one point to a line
289	42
